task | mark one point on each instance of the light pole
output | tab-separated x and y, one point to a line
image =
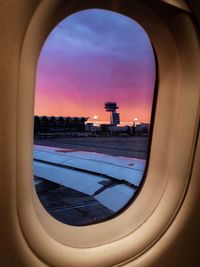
135	122
95	117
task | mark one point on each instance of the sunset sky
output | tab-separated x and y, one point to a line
92	57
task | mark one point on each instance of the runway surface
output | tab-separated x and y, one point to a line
133	147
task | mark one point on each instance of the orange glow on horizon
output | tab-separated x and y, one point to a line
83	65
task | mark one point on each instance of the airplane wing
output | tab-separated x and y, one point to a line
109	179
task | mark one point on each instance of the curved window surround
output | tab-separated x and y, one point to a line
139	227
90	153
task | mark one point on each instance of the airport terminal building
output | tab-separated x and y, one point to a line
53	125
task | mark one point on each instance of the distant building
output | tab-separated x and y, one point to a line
114	130
58	125
114	116
89	127
142	129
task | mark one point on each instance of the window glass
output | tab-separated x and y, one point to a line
94	92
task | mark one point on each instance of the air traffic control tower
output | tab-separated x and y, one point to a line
114	117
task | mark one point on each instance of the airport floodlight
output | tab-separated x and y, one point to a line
136	121
95	117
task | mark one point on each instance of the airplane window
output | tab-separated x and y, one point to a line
93	106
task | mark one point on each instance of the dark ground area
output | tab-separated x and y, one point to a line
132	147
70	206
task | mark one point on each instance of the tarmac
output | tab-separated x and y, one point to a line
132	147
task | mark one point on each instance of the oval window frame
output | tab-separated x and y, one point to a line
126	240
